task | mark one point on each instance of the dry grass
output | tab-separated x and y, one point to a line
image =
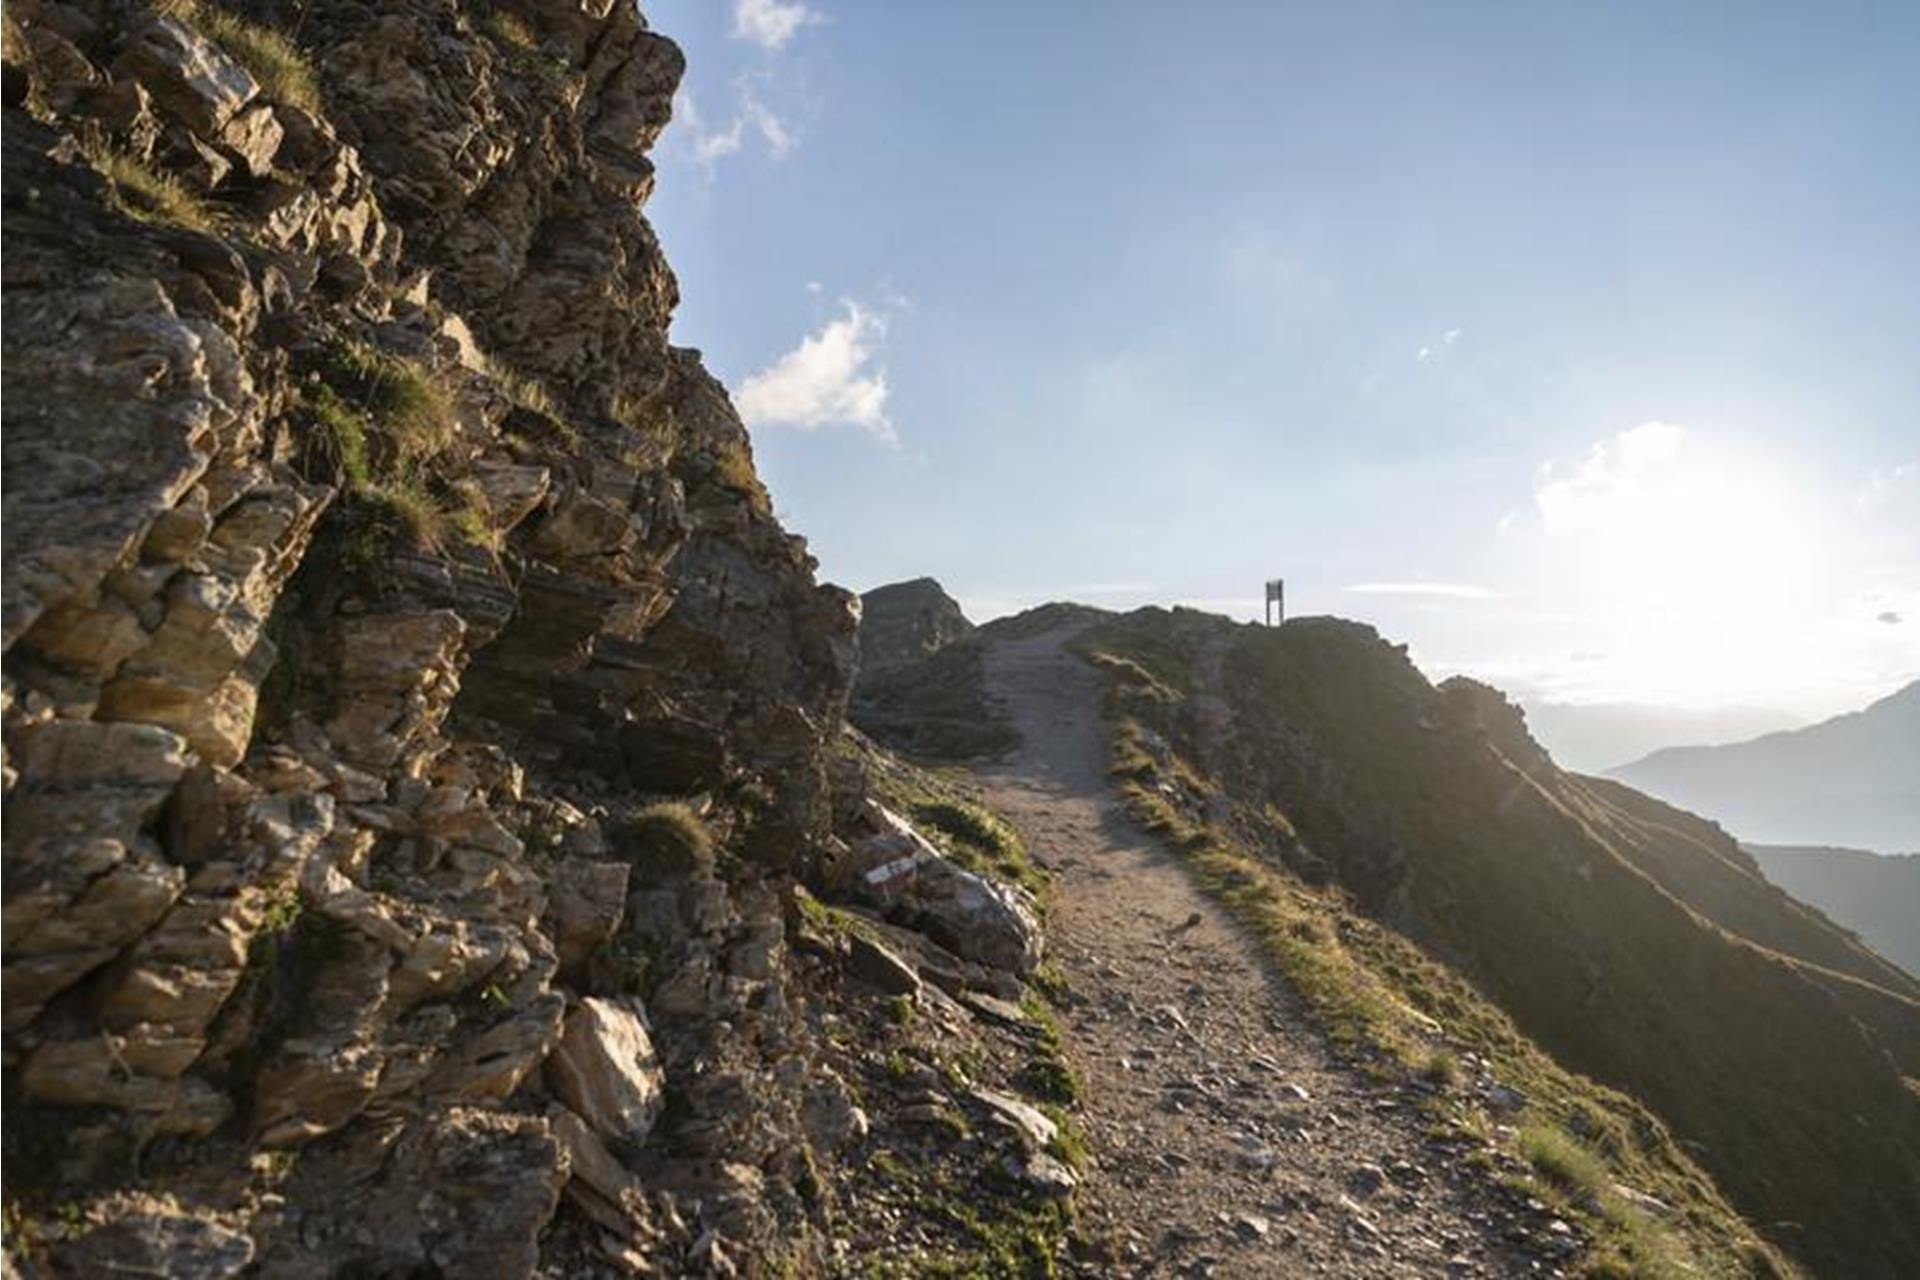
664	841
282	70
153	195
522	389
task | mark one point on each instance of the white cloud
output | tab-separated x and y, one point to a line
828	380
771	23
751	118
1614	475
1450	590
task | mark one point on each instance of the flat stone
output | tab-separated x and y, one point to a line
878	966
1032	1124
605	1069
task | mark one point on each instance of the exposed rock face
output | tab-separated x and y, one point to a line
979	919
604	1068
908	621
370	554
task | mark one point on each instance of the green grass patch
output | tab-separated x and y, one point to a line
407	406
979	841
1563	1160
379	423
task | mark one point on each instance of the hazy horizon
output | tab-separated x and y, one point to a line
1570	346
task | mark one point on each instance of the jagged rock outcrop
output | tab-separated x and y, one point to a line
371	560
908	621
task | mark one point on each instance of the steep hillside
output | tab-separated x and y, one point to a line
1853	780
1636	943
1875	895
420	737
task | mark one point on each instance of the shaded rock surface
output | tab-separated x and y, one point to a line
371	558
907	621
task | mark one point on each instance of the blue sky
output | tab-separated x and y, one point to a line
1573	343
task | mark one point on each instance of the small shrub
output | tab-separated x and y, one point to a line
1049	1078
282	70
665	840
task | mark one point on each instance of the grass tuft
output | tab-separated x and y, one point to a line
282	70
153	195
981	842
523	390
664	841
1562	1159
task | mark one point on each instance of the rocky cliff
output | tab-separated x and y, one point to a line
417	725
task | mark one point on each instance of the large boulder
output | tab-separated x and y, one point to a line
977	918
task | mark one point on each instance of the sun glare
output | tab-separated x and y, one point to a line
1693	562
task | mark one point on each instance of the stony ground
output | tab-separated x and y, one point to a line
1225	1136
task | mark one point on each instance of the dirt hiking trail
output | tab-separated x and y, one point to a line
1226	1139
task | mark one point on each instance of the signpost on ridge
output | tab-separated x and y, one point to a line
1276	600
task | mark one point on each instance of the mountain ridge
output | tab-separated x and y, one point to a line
1852	780
1322	749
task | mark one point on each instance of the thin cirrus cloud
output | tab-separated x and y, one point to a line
1442	590
751	118
771	23
831	379
1429	351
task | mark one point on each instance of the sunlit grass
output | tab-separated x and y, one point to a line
282	70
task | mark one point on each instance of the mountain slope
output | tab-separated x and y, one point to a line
1602	922
1876	895
1852	781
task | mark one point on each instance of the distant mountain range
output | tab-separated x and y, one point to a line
1875	895
1592	737
1851	781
